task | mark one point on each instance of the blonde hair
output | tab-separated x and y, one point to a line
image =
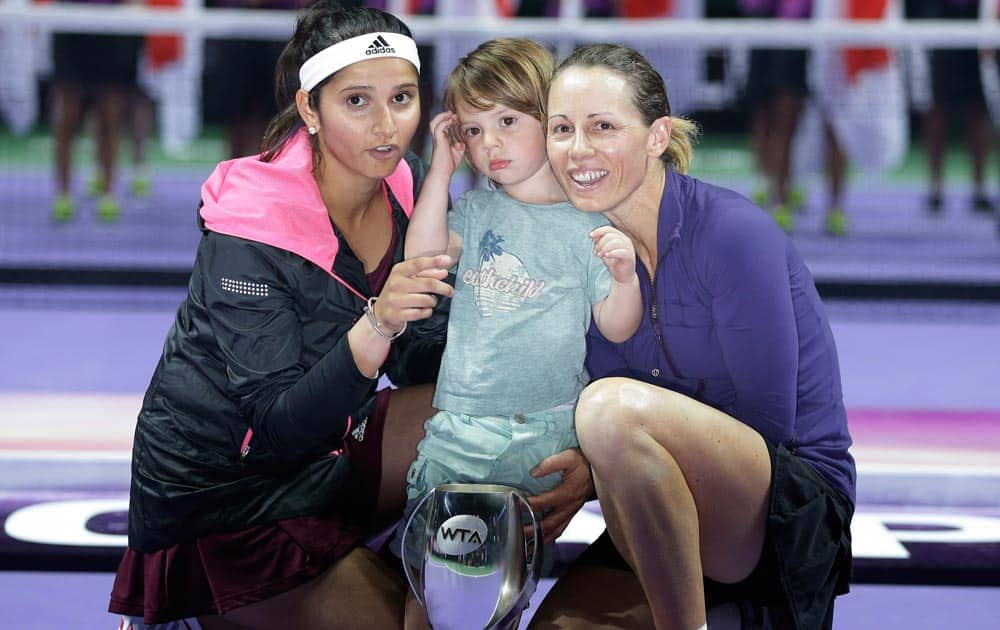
683	134
649	94
507	71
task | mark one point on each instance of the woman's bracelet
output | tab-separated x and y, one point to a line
377	325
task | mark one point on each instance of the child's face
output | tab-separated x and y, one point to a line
503	144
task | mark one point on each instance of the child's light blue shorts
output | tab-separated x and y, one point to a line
459	448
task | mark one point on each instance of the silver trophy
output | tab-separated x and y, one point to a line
467	558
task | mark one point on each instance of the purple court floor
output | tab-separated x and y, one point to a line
919	381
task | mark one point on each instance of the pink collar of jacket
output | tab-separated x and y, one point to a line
278	203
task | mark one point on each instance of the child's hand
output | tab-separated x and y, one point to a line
617	252
448	146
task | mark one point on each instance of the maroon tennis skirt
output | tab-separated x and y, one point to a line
214	574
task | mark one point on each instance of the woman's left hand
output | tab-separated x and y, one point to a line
617	251
566	499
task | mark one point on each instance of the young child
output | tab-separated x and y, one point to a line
532	271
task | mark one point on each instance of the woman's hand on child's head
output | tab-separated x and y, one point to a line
411	290
449	149
616	250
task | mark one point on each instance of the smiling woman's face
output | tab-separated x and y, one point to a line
597	142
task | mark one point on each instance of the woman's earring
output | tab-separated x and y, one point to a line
312	130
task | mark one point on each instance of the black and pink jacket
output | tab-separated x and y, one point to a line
259	348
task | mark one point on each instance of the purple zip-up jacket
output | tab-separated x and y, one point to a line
733	319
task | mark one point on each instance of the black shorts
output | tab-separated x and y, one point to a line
775	71
956	83
806	560
240	78
95	60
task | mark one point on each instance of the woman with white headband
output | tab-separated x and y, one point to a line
264	456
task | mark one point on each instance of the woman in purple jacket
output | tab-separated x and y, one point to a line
717	435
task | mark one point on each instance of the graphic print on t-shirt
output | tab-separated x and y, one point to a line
502	283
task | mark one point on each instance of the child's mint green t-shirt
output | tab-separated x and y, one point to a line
525	286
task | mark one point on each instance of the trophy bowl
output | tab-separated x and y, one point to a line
467	558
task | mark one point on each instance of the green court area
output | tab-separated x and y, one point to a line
718	155
35	151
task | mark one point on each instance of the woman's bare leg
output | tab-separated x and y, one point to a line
67	114
836	167
416	615
594	598
935	136
683	489
786	110
408	410
978	139
110	111
760	122
360	592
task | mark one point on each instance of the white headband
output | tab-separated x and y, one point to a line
342	54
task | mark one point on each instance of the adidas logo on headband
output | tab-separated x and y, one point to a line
380	47
342	54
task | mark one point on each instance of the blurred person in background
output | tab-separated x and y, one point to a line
170	75
97	71
957	99
776	92
137	120
858	94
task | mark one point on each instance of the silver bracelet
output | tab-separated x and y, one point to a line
370	313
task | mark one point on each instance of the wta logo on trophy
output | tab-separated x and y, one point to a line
472	555
460	535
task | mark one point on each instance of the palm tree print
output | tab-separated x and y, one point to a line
496	264
489	247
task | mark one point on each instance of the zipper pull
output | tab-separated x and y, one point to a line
245	446
652	312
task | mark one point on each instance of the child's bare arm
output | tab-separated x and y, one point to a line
428	232
618	315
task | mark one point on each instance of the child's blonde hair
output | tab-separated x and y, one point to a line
507	71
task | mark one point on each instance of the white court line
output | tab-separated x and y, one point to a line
98	427
943	470
67	417
65	456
